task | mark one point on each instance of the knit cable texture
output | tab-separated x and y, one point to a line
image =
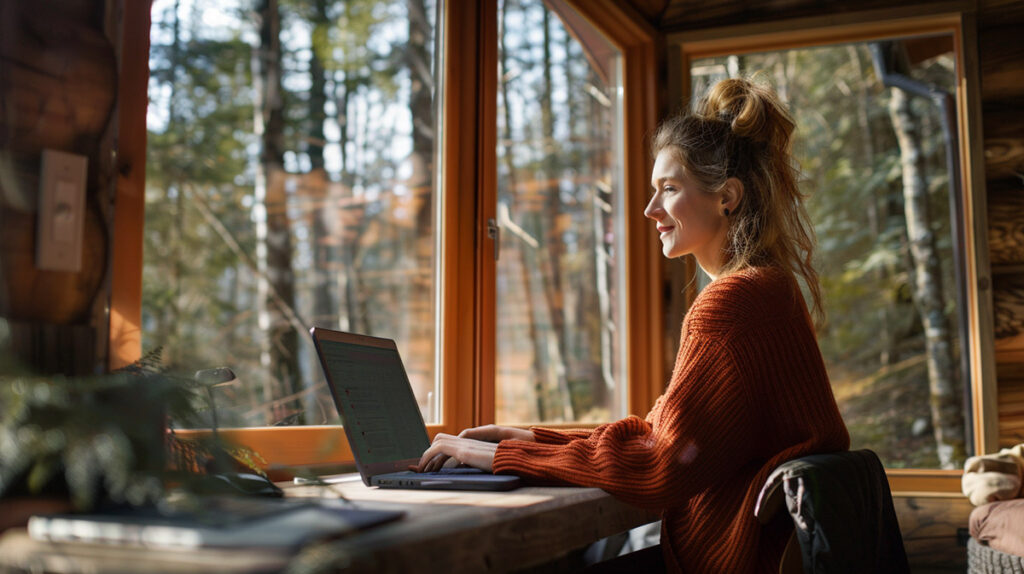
749	391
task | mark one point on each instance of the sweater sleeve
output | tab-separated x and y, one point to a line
700	431
553	436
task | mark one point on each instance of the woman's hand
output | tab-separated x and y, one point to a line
473	447
495	433
471	452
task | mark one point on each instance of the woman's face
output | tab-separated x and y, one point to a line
689	219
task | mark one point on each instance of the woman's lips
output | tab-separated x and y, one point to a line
665	228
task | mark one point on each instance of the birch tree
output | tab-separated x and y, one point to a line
947	420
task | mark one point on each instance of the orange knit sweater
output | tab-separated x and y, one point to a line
748	392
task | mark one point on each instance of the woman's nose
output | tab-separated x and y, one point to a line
653	207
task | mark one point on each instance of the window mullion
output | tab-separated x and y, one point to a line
467	275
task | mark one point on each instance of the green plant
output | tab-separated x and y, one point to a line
103	438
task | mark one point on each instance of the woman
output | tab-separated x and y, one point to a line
749	388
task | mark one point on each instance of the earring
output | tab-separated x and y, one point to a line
727	212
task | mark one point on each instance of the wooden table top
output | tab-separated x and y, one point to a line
452	530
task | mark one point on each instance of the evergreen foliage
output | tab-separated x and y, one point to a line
102	439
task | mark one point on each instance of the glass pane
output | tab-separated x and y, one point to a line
290	184
559	284
876	161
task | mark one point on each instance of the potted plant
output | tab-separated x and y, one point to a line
77	443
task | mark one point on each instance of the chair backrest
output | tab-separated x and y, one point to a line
842	512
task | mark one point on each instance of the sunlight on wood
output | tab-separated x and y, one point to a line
357	491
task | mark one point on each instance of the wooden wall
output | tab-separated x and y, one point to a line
1001	50
58	85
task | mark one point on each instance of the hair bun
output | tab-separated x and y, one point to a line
752	111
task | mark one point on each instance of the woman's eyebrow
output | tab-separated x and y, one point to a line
664	178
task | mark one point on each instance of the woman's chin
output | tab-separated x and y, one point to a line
670	252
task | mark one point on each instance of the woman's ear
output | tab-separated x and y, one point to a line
731	193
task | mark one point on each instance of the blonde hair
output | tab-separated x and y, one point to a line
741	129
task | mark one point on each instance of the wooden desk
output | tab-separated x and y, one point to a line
454	531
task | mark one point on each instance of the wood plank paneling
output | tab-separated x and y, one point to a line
651	10
1006	221
50	10
1001	49
1003	126
929	526
1008	300
1011	411
997	12
58	84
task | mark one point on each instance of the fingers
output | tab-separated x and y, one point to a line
520	434
495	433
485	432
475	453
436	454
430	461
442	437
435	464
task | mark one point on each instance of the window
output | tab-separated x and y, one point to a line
560	202
336	178
290	184
879	142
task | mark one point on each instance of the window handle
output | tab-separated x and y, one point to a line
494	232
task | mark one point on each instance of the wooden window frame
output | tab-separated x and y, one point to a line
959	21
469	180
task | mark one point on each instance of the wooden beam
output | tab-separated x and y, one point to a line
819	30
981	348
129	204
465	308
691	15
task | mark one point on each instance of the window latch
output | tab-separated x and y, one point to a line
494	233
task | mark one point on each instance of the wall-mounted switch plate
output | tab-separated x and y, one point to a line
61	211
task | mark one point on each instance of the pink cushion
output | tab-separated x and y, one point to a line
1000	525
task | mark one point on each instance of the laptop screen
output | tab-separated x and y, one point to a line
375	400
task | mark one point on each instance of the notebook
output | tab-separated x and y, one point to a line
382	420
218	522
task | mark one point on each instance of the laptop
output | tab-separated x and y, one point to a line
382	420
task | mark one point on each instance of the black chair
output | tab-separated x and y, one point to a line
842	513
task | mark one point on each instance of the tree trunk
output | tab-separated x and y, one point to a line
323	220
539	377
417	297
279	349
947	419
604	385
551	257
177	239
352	223
420	106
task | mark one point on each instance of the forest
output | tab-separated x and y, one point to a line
292	182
